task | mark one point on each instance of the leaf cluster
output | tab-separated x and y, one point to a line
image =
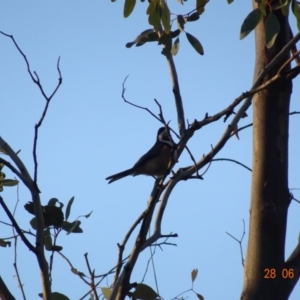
55	218
159	17
272	26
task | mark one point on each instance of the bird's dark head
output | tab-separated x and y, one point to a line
163	136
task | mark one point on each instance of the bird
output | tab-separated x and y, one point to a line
153	163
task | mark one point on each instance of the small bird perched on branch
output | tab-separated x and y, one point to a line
155	162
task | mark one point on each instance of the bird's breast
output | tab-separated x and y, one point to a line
156	166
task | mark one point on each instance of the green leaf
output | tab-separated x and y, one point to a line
88	215
58	296
3	151
263	9
200	297
154	20
175	47
165	16
148	35
48	239
152	7
296	12
180	22
200	6
193	17
4	243
145	292
128	7
56	248
68	208
9	182
106	292
195	43
33	223
73	227
280	5
175	33
250	22
272	28
2	176
53	215
229	1
194	274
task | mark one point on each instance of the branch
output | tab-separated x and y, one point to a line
135	105
122	285
39	124
4	291
16	226
177	95
232	160
35	78
122	246
240	242
226	135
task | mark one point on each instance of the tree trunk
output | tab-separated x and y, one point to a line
264	268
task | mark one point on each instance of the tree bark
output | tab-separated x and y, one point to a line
263	274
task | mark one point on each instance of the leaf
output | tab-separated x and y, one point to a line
180	22
250	22
3	151
296	12
193	17
165	16
263	9
280	5
147	35
152	7
128	7
200	6
33	223
229	1
48	240
194	274
195	43
4	243
88	215
53	216
154	20
175	33
73	227
56	248
272	28
106	292
200	297
9	182
2	176
145	292
58	296
175	47
68	208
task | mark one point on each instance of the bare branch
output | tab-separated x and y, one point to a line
16	226
177	95
240	242
232	160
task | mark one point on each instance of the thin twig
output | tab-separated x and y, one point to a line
232	160
16	226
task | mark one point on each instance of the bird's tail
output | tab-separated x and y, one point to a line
118	176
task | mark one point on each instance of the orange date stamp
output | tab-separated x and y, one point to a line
272	274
